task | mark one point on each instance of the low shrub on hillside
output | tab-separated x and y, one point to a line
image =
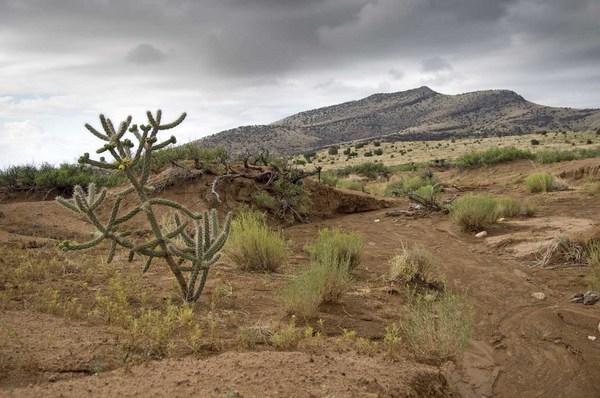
64	177
554	156
329	178
252	245
492	156
474	212
337	245
347	183
539	182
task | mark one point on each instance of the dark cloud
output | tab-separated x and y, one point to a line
435	64
145	53
395	74
236	55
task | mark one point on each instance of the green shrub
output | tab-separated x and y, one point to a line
333	150
429	194
474	212
252	245
539	182
378	152
492	156
350	184
402	187
509	207
535	142
338	245
368	169
368	154
329	178
264	200
324	281
438	330
554	156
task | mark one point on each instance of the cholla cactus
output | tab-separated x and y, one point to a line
189	261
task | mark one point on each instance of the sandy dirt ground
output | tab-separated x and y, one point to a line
520	346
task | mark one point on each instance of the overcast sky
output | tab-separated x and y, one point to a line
236	62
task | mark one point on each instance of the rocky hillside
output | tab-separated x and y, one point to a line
414	114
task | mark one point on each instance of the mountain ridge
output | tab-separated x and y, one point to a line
416	114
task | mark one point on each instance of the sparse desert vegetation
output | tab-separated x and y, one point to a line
369	273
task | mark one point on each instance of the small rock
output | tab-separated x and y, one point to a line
53	378
538	296
501	219
593	338
589	298
481	234
376	220
577	298
599	327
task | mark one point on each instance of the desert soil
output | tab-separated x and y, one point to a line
520	346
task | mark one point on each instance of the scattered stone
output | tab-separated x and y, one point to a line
501	219
589	298
538	296
593	338
599	327
376	220
577	298
53	378
481	234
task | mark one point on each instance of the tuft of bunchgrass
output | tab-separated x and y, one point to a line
252	245
509	207
413	264
474	212
341	246
323	282
592	251
539	182
438	329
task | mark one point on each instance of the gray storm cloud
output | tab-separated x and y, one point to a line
254	61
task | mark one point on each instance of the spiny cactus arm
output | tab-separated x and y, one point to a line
182	253
96	132
186	238
200	288
67	204
67	245
174	205
171	140
85	158
218	243
174	124
125	192
127	216
142	144
206	229
97	200
214	231
112	252
147	264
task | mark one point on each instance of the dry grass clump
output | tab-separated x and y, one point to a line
325	281
474	212
593	260
438	329
252	245
413	264
562	252
509	207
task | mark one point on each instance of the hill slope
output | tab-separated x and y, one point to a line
414	114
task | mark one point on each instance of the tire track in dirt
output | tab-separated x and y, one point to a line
541	338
